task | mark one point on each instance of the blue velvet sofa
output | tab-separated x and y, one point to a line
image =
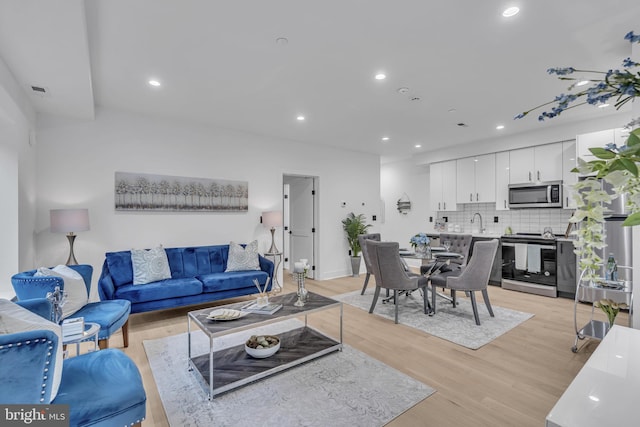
102	388
197	275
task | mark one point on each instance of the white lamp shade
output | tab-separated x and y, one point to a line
272	219
69	220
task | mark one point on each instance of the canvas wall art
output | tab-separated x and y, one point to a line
147	192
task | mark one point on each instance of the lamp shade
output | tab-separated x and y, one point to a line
69	220
272	219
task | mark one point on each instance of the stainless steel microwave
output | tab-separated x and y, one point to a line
536	195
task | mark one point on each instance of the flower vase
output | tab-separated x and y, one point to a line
423	251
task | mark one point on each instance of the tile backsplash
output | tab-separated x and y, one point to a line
520	220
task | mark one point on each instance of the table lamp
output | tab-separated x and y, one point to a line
272	219
69	221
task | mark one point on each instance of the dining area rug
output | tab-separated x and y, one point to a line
455	324
346	388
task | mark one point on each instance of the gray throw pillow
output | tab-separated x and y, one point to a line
149	265
242	259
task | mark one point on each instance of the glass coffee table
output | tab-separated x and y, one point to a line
224	369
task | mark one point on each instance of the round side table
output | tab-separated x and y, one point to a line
90	333
277	259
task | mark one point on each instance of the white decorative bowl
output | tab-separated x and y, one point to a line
261	353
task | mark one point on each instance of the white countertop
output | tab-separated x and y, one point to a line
487	235
606	391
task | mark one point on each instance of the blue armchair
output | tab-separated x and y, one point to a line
102	388
111	315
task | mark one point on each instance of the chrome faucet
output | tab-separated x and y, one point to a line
473	219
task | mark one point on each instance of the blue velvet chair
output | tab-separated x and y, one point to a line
111	315
102	388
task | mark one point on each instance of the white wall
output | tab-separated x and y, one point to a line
17	184
77	162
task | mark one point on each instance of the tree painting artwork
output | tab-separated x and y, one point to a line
147	192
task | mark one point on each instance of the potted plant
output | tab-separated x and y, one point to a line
617	165
354	225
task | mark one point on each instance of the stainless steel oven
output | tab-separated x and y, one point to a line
529	264
540	195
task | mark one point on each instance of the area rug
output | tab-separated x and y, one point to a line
452	324
345	388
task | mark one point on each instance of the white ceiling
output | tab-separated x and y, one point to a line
219	63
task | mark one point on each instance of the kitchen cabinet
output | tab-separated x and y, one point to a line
568	178
476	177
541	163
599	140
502	181
442	186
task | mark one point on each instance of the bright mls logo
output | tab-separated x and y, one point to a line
34	415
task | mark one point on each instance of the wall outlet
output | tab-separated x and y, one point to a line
373	217
445	218
430	219
495	219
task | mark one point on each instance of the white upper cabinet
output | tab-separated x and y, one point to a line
541	163
476	179
502	181
442	186
599	140
568	178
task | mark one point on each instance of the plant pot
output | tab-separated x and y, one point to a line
355	266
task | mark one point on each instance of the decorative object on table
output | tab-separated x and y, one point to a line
300	272
225	314
420	243
72	326
611	273
57	298
262	346
508	231
404	204
150	192
253	307
355	225
69	221
616	165
271	220
263	298
610	308
547	233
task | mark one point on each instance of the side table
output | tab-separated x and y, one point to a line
91	331
277	259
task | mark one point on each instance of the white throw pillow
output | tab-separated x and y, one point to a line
74	287
14	318
242	259
149	265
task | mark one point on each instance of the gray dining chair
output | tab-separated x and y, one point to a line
367	262
474	277
460	244
390	273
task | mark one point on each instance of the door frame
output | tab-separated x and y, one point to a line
315	258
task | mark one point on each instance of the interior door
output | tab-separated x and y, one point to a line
301	220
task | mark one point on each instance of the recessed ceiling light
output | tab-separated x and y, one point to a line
282	41
582	82
154	83
500	127
452	110
418	146
300	118
594	398
510	11
403	90
385	138
381	76
603	105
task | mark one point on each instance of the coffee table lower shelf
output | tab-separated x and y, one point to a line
233	367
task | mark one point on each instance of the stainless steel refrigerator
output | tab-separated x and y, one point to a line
619	239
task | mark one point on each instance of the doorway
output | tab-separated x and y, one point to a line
299	214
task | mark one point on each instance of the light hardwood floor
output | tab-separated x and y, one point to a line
513	381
